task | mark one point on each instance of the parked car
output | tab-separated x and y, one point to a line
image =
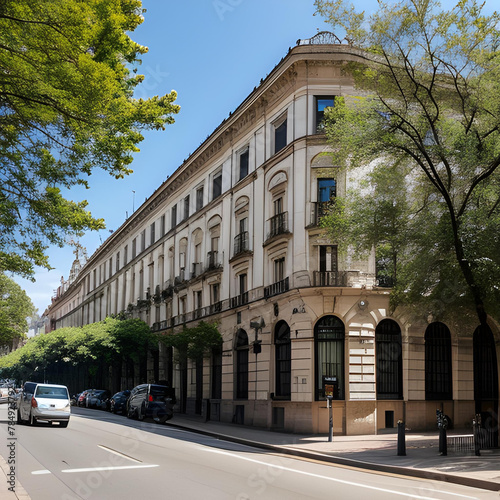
118	402
151	401
98	399
82	399
48	402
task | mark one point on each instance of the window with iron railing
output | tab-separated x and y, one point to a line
278	224
241	243
213	260
277	288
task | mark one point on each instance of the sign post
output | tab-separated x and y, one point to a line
330	390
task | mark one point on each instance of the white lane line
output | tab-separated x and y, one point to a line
119	467
328	478
110	450
40	472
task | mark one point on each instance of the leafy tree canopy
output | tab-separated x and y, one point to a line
15	308
426	118
106	340
66	108
196	342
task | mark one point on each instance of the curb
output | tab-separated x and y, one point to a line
390	469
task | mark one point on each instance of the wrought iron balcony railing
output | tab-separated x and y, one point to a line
241	243
277	288
278	224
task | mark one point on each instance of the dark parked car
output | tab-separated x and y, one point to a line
151	401
98	398
118	402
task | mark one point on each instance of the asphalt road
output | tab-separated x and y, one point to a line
101	456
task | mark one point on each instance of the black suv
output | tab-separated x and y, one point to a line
151	401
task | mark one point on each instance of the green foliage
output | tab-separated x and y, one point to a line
15	308
104	341
428	113
196	342
66	108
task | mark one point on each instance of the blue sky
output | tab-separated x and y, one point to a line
213	53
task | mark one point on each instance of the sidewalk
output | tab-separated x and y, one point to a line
371	452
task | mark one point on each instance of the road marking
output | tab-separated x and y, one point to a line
350	483
40	472
122	467
110	450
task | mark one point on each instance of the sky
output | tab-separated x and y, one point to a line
212	53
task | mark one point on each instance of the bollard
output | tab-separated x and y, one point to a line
443	445
401	439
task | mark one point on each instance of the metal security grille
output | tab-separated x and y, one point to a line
485	365
438	381
329	335
389	360
283	348
242	365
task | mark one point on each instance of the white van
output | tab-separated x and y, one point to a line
46	402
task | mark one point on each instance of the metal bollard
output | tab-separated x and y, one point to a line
401	439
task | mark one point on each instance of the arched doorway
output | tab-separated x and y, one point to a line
241	364
486	382
438	374
389	360
283	361
329	339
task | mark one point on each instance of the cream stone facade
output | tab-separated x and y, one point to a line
232	237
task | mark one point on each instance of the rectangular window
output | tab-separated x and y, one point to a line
125	255
199	198
279	269
278	206
110	266
328	258
217	185
134	248
152	238
215	293
162	226
186	207
280	135
117	261
327	190
197	299
243	283
244	164
173	218
322	102
143	240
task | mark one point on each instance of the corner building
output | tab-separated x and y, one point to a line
232	237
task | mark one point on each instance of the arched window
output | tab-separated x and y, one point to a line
241	364
485	365
438	375
329	337
283	350
389	360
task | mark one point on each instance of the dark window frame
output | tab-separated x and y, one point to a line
320	113
438	363
244	163
283	361
242	355
329	333
389	360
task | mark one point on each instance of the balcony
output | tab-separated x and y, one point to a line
277	288
213	261
197	269
241	243
277	225
239	300
319	210
181	278
385	281
330	278
215	308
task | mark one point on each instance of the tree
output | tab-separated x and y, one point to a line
15	307
428	111
66	109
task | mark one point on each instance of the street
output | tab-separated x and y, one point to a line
104	456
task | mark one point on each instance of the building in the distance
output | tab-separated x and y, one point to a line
232	236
